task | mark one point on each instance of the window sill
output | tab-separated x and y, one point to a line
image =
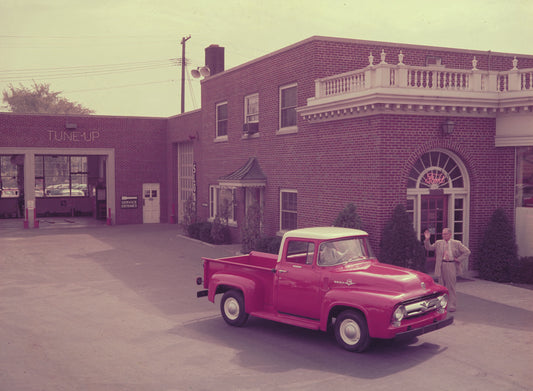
221	139
287	130
247	136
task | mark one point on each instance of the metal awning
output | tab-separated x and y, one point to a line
249	175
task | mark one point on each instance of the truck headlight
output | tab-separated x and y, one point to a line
398	314
442	303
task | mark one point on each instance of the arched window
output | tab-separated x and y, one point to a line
435	170
438	194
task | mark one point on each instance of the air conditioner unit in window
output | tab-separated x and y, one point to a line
250	127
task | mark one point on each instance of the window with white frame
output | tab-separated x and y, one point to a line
222	203
288	209
222	119
524	177
287	106
251	108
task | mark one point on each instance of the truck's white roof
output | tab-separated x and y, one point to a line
324	233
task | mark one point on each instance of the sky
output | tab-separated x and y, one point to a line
123	57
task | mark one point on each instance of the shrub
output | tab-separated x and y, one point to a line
220	232
399	244
348	218
498	249
189	207
201	231
269	244
521	271
251	232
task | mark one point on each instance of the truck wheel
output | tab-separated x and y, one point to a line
351	331
232	308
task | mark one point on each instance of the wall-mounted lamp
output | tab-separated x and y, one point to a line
447	127
70	126
201	71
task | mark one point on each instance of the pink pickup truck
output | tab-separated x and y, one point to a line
327	277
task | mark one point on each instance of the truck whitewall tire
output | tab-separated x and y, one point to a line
351	331
232	308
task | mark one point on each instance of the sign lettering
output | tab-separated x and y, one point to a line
128	202
76	136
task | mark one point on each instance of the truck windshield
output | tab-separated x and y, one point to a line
343	251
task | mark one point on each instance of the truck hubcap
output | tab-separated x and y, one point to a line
231	308
350	332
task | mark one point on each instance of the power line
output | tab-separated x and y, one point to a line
14	75
87	66
120	86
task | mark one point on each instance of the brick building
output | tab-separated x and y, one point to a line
312	127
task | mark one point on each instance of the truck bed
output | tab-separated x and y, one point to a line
252	273
254	260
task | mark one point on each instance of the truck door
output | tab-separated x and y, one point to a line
298	281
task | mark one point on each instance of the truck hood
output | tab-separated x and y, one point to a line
376	276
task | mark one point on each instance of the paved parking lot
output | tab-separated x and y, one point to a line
115	308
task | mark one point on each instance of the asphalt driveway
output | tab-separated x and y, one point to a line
115	308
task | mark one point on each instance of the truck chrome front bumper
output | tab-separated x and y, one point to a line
425	329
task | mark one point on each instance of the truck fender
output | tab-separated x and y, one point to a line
221	282
334	302
375	307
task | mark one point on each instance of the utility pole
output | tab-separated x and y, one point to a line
183	40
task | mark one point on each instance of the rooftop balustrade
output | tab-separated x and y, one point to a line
385	75
401	84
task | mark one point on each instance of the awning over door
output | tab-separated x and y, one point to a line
249	175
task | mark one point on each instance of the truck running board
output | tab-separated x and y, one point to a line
288	319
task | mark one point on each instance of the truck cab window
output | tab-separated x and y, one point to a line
300	252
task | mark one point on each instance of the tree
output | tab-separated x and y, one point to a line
348	218
498	249
40	100
251	232
399	244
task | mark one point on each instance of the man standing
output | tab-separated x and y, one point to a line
449	254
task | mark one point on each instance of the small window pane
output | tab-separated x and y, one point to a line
222	119
288	104
251	108
289	210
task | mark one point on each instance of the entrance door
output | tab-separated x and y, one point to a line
151	203
434	217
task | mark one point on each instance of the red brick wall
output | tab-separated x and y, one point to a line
363	160
139	144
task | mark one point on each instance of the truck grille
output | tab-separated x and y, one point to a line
421	306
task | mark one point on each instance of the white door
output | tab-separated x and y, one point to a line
151	203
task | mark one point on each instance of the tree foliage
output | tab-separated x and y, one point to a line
498	249
399	244
251	232
348	218
40	100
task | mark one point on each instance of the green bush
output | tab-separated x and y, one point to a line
399	245
498	249
521	271
269	244
220	232
215	232
251	232
201	231
348	218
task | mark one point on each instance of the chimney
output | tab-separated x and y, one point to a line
214	59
